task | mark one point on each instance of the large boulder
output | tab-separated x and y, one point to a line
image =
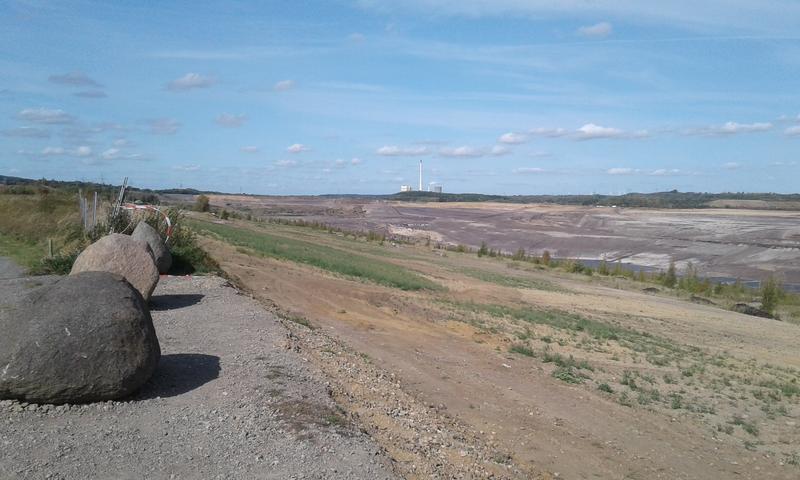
88	337
124	256
149	235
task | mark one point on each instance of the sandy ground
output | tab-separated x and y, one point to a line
230	399
728	243
546	425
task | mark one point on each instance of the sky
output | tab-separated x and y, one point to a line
347	96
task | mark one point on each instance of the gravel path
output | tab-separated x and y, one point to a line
9	269
230	399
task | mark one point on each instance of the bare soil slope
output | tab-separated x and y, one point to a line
689	385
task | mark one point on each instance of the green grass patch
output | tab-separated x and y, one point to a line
568	375
321	256
640	341
510	281
24	253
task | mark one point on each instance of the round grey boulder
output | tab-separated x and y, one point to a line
88	337
121	254
146	234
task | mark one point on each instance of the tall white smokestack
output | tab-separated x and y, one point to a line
420	175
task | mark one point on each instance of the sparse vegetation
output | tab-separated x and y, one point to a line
522	350
324	257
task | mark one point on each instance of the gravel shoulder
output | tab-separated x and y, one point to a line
231	398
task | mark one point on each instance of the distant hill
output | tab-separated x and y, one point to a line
672	199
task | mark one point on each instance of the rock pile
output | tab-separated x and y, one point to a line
88	337
124	256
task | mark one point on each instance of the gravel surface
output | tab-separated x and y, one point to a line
9	269
230	399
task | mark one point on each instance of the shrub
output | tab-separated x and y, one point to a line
546	258
60	264
201	204
568	374
771	294
671	278
522	350
604	387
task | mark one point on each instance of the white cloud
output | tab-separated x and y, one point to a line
732	166
297	148
793	131
77	79
231	120
730	128
783	164
52	151
356	161
83	151
463	151
250	149
190	81
397	151
498	150
122	142
27	132
549	132
621	171
773	16
164	126
283	85
512	138
186	168
286	163
598	30
111	154
590	131
665	172
529	170
46	116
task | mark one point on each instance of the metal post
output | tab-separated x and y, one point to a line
94	211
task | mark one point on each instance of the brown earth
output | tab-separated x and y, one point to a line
461	362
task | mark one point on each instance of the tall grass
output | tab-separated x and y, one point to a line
321	256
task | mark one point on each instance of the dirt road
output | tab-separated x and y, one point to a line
228	400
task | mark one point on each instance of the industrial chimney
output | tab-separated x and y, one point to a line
420	175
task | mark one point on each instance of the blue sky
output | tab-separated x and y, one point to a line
346	96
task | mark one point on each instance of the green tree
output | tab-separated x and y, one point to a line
671	278
771	294
546	257
201	204
484	250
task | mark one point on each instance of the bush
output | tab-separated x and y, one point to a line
671	278
201	204
187	256
60	264
771	294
